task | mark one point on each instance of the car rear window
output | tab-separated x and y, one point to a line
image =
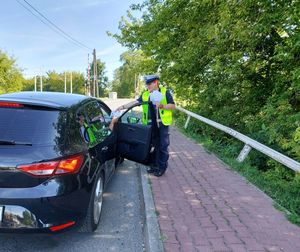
35	126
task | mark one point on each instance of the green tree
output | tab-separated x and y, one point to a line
28	84
135	64
55	82
102	79
78	82
10	75
27	218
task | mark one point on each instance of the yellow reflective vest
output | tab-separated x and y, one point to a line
165	114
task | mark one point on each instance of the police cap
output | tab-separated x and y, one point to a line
150	78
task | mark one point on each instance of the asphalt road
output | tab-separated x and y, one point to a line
114	103
120	229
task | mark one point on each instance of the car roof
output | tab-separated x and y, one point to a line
47	99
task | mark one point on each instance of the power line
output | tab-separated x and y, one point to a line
52	26
44	21
75	40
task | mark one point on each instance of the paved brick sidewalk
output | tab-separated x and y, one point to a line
204	206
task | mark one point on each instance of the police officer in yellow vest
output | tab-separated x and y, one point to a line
160	116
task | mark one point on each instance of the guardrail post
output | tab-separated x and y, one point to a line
187	121
244	153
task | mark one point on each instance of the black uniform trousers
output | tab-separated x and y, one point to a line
162	143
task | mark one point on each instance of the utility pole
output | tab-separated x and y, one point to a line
137	85
134	85
95	74
41	83
71	84
41	79
65	82
35	83
88	78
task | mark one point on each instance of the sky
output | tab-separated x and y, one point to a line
38	49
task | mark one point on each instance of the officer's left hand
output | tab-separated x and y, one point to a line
113	122
160	106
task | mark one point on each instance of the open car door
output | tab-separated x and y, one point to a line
134	138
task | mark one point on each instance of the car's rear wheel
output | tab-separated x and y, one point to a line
95	206
98	199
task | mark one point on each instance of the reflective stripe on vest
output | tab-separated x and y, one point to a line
145	98
92	138
165	114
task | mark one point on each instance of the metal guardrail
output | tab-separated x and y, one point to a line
249	143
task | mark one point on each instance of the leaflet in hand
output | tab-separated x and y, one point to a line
116	113
156	96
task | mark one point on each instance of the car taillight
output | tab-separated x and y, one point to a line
70	165
11	105
58	167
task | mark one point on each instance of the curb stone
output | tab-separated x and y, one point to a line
152	231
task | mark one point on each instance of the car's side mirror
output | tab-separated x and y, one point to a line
133	119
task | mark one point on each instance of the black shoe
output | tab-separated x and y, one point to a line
159	173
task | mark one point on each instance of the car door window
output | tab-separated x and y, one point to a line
103	148
97	119
75	139
133	116
105	113
93	111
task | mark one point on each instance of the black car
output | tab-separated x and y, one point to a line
49	179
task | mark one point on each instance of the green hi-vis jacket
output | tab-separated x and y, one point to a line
94	135
165	114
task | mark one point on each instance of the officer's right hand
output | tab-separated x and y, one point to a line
115	120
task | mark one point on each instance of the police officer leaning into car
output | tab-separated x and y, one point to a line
160	116
93	135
